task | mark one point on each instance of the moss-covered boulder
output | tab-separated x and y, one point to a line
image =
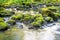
50	12
27	18
12	22
17	16
39	18
1	19
36	25
3	25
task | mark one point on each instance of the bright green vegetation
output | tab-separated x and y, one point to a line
17	16
36	24
3	25
27	18
48	14
1	19
18	2
51	12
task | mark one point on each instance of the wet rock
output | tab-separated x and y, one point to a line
30	28
21	26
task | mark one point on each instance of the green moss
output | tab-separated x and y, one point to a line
1	19
27	17
11	21
39	18
45	11
17	16
36	24
3	25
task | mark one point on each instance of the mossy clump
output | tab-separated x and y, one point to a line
39	18
28	18
17	16
36	25
38	21
1	19
3	25
12	22
50	12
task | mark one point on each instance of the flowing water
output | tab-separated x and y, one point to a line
49	33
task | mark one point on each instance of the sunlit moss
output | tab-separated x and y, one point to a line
17	16
3	25
27	17
36	24
1	19
45	9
